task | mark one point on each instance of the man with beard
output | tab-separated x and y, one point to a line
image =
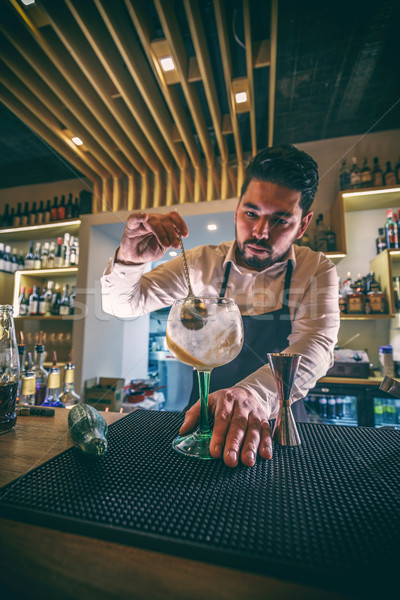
287	295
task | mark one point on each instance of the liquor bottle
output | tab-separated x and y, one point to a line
34	301
377	174
331	407
18	216
21	356
69	397
14	260
58	257
54	210
69	210
344	176
7	259
37	262
23	303
29	257
25	215
55	300
28	385
2	265
331	240
392	240
52	395
355	175
21	260
12	216
366	175
72	300
389	177
40	214
380	241
66	250
64	302
32	215
74	252
5	219
42	305
44	255
76	208
9	369
61	209
397	171
322	405
40	372
51	256
47	298
47	213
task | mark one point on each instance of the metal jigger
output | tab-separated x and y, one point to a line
391	386
284	368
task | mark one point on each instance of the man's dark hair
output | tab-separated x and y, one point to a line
286	166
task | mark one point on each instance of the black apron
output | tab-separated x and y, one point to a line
263	333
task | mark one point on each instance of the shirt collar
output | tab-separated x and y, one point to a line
231	257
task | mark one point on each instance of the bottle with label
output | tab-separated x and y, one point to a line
18	216
69	210
7	259
47	213
14	260
72	300
47	298
355	298
66	250
52	395
58	257
61	209
40	214
389	177
25	215
397	171
386	361
54	210
366	175
29	257
51	256
380	241
40	372
34	301
378	412
355	175
32	215
42	305
37	261
21	260
44	255
69	397
28	385
55	300
5	220
23	303
344	176
392	239
64	302
377	174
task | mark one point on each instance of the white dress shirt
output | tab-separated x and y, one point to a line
127	291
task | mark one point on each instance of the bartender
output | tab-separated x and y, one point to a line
287	295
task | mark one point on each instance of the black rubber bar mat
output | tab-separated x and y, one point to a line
325	513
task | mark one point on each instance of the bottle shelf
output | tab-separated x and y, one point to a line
355	317
42	318
39	232
370	198
45	272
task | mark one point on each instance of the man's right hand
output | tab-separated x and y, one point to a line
148	236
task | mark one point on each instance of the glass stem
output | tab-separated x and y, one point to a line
204	385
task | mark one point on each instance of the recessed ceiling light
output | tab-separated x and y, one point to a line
28	2
167	63
212	227
241	97
77	141
173	253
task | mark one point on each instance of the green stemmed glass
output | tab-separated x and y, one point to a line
217	342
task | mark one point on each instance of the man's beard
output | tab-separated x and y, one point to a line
255	262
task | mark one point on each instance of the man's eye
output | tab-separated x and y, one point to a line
251	214
281	222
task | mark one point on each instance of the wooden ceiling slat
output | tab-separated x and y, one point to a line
166	14
37	57
249	68
102	44
227	69
272	70
141	21
45	94
129	137
23	113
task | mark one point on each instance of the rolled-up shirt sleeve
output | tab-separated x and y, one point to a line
315	315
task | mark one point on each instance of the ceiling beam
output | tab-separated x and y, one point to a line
272	70
250	76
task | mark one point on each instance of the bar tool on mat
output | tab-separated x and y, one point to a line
284	369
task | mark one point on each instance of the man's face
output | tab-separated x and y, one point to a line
268	220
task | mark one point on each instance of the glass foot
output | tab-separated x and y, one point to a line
195	444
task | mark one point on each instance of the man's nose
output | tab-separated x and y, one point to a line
261	228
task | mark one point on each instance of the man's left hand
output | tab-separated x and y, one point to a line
241	426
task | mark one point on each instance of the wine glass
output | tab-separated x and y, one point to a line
216	343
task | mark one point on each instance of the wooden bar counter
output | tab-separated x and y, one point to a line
38	562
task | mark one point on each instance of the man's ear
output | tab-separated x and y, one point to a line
306	220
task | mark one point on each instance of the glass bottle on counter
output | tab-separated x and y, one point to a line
52	395
28	384
69	397
23	303
40	372
9	369
34	300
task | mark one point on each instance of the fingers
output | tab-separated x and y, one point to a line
191	419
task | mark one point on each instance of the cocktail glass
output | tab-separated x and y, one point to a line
216	343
